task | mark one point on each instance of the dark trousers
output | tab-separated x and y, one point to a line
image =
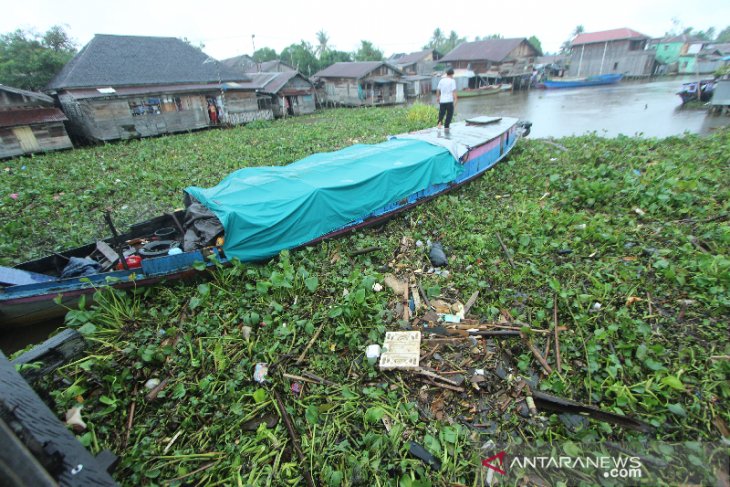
448	110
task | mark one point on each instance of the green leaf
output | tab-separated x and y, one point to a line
673	382
311	283
334	312
199	265
677	409
260	395
312	414
374	414
87	329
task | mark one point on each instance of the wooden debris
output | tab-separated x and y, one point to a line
152	395
300	359
505	250
366	250
294	440
557	334
536	353
470	302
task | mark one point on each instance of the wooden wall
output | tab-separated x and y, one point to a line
613	57
102	119
48	136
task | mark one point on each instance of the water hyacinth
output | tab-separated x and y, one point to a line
652	349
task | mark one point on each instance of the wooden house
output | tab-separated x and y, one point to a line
668	50
29	122
289	91
366	83
120	87
495	60
611	51
416	63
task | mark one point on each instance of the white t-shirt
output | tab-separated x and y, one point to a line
447	87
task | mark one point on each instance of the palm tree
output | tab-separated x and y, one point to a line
322	39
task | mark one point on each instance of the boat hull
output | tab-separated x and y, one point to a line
604	79
25	305
479	92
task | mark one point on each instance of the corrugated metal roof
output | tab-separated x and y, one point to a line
413	57
282	79
494	50
357	70
607	35
15	118
270	67
40	97
110	60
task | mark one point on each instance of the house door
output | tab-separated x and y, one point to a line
27	139
399	96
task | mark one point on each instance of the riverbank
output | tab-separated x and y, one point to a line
624	240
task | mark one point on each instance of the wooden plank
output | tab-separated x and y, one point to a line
106	250
52	353
18	466
44	435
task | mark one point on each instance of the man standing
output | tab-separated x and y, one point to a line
446	96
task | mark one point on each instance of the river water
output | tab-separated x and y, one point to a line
643	108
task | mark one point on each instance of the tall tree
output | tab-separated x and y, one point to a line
301	56
332	56
535	43
368	52
265	54
566	46
724	35
437	40
322	40
29	60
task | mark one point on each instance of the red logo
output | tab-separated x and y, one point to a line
497	466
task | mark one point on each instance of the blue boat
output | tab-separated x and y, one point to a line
255	213
600	79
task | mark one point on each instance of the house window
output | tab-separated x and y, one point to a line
666	47
636	45
264	103
145	106
615	66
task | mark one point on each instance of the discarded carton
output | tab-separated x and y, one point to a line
401	350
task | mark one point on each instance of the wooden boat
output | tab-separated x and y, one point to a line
481	91
601	79
688	92
35	291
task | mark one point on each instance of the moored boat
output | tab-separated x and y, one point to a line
484	90
601	79
688	92
255	213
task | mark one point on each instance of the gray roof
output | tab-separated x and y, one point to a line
355	70
241	63
282	79
411	58
495	50
111	60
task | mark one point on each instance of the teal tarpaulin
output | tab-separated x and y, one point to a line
268	209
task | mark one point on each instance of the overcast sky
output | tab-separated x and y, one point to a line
226	27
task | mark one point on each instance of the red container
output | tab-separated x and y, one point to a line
133	262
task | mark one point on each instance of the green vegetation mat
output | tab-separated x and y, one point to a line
627	238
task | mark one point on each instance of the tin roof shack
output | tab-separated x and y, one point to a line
120	87
611	51
668	51
416	63
291	93
495	60
361	84
703	58
29	123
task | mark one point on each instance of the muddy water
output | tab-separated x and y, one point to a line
645	108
